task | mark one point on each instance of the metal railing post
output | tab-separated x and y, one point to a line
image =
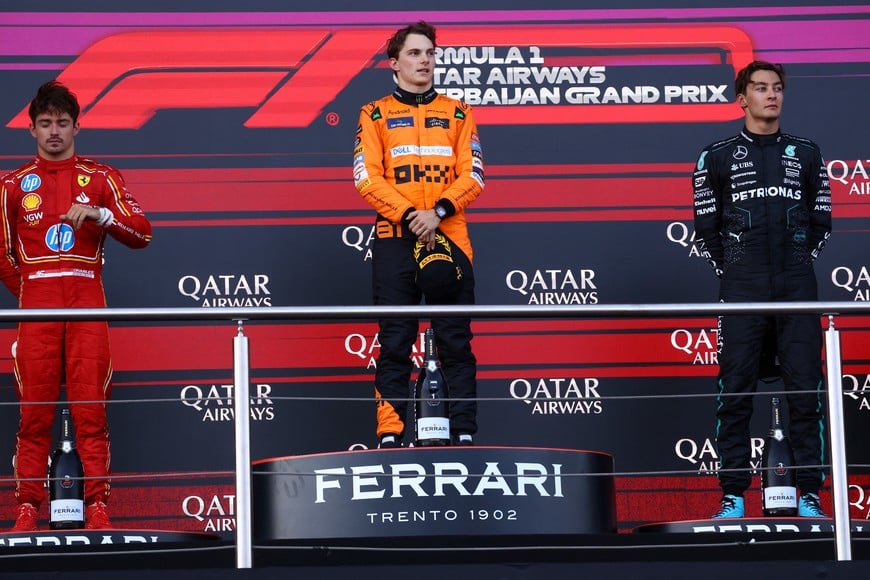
243	448
839	478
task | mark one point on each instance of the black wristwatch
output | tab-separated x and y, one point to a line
440	212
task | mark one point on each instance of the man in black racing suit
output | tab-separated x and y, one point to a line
762	207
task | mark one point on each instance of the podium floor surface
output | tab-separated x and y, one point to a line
607	556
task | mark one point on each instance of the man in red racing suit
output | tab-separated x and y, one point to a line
418	162
56	212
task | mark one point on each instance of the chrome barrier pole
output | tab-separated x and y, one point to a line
839	479
243	448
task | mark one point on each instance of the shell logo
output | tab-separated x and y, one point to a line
31	201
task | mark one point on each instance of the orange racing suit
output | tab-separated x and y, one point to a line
417	152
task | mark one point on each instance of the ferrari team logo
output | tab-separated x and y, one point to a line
84	180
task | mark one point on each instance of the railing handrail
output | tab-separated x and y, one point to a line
678	310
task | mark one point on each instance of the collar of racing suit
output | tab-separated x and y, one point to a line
55	166
761	140
415	99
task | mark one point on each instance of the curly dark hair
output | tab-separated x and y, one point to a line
54	97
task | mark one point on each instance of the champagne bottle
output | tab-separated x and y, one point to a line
779	495
433	419
66	483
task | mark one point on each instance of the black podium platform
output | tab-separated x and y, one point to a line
639	556
89	551
434	496
764	528
121	538
467	513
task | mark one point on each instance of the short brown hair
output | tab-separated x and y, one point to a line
742	80
397	40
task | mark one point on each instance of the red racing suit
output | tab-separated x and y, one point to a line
419	152
48	264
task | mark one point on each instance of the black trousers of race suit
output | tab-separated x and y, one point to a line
394	284
798	347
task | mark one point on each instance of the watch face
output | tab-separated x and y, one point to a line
440	211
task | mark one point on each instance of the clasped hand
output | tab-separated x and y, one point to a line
77	214
423	223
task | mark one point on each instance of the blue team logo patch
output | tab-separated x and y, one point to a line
398	122
437	122
700	164
789	150
31	182
60	238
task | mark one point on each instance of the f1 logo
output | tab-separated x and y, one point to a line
290	75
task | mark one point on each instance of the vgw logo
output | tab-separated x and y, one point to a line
703	456
367	348
559	396
856	283
554	286
216	512
215	403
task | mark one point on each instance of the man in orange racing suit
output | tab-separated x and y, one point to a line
56	211
418	162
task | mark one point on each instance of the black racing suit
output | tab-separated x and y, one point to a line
762	206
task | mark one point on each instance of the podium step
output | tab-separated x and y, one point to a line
434	494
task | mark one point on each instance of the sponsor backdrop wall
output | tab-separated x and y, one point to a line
234	126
